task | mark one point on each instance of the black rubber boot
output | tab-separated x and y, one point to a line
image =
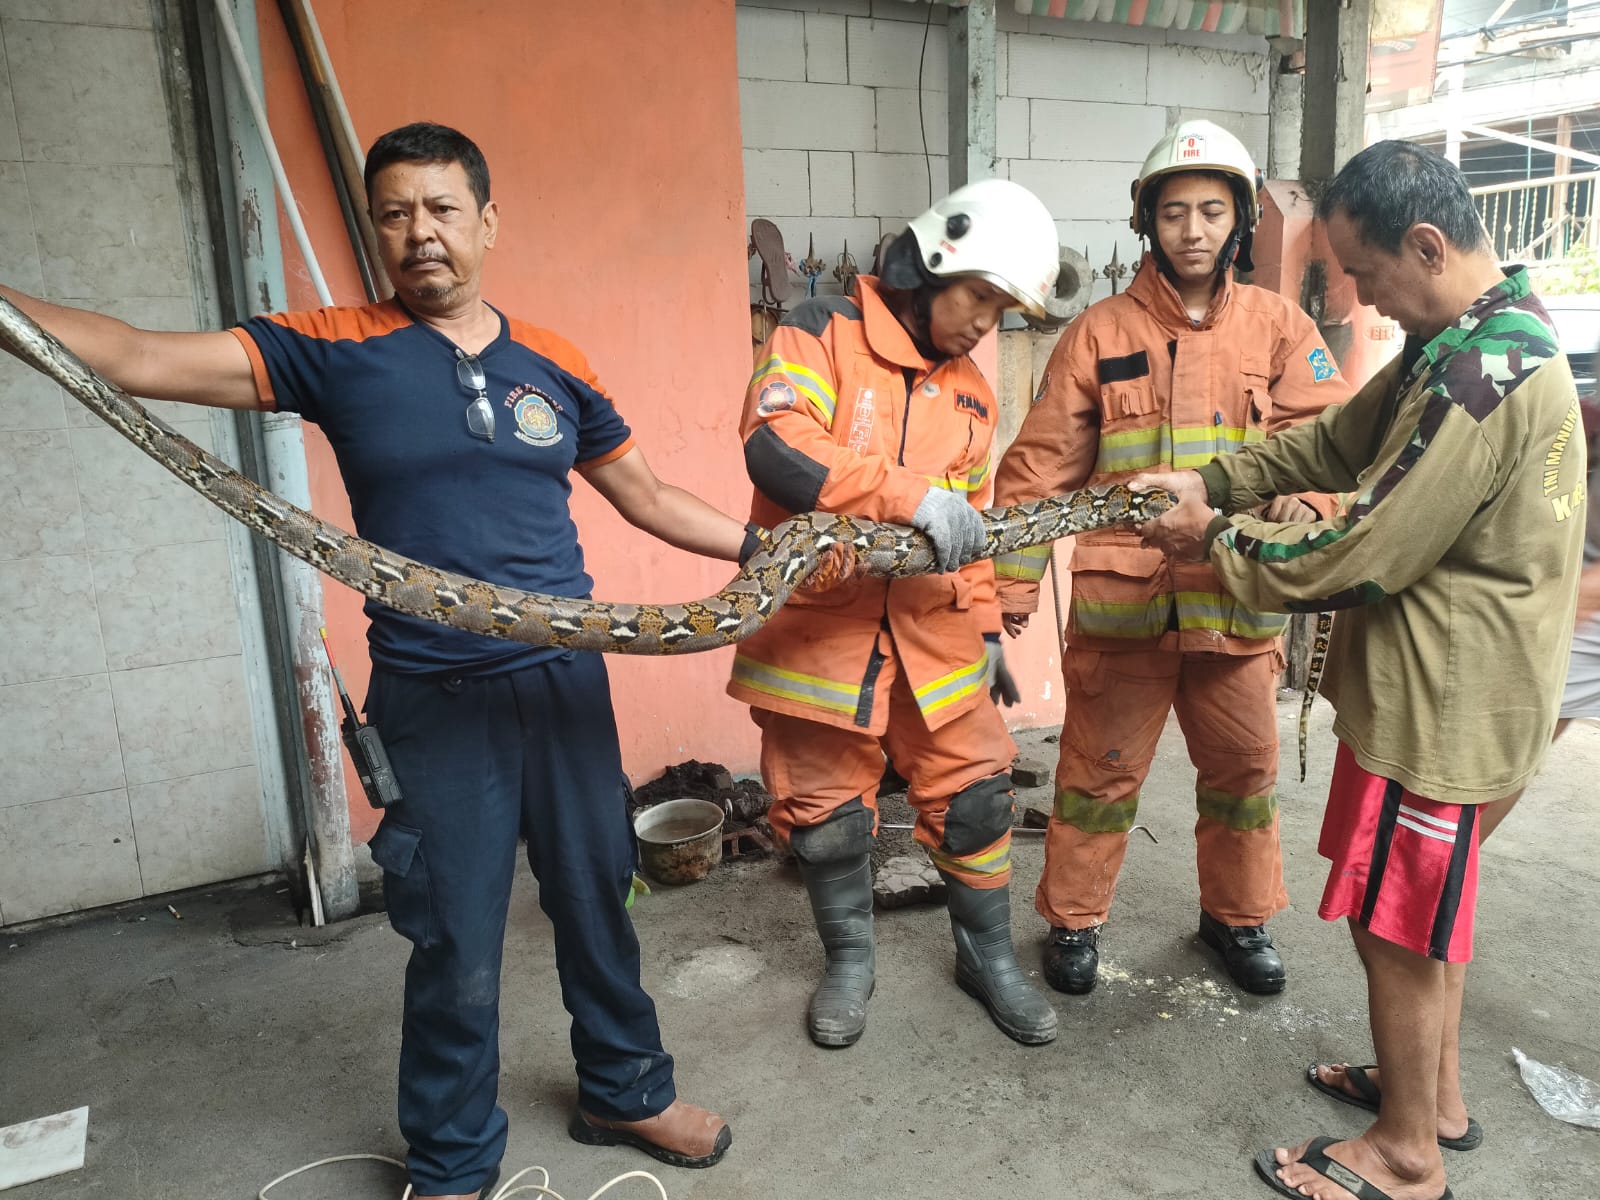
841	902
1248	953
1072	960
987	967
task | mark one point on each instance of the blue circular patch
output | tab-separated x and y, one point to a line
536	423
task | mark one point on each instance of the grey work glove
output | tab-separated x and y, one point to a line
953	526
1003	689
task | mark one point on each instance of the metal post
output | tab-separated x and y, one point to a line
1332	132
1286	108
283	469
188	75
1336	85
973	105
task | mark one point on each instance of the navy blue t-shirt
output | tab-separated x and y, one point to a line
383	387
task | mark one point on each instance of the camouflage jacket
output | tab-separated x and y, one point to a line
1456	562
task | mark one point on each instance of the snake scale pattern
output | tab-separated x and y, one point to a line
749	600
757	592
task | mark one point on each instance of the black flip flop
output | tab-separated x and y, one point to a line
1370	1096
1315	1157
767	242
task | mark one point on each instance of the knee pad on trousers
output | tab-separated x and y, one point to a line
845	834
978	815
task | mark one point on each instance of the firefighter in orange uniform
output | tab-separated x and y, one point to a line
1183	365
870	405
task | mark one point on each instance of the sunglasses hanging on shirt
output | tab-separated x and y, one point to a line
480	413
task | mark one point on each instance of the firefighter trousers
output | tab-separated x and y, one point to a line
1116	706
959	776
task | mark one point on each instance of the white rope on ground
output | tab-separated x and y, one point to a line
506	1190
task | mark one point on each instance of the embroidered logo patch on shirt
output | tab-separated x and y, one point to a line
1321	368
536	417
775	397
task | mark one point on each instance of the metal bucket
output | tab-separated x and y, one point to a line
679	840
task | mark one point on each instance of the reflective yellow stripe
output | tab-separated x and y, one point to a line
957	685
792	685
1091	815
1134	450
1211	610
1026	564
1182	447
1110	618
984	865
1196	445
818	390
1236	812
978	476
968	483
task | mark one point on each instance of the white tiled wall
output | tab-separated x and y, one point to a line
126	761
829	94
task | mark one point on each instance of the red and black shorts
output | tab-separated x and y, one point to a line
1405	867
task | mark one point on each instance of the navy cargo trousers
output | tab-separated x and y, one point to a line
481	760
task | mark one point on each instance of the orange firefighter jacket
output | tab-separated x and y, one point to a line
1135	385
845	415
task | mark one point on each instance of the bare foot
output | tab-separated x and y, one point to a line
1417	1180
1452	1109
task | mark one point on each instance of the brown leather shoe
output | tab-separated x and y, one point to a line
680	1135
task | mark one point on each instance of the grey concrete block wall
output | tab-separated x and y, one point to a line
1080	103
126	758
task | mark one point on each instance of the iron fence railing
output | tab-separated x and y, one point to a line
1541	220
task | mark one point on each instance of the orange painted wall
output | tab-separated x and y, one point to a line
612	133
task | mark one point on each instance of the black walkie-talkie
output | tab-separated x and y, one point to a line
365	746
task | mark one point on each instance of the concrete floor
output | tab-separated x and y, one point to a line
218	1051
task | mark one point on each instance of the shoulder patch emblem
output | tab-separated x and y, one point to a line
1044	386
1321	368
776	396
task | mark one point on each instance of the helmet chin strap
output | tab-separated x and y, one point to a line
1235	250
922	317
905	274
1230	249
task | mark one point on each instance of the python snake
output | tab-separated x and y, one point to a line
1319	658
757	592
749	601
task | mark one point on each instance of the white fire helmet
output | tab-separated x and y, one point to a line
1197	146
998	231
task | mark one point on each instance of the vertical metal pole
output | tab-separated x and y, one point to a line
973	140
1331	132
283	453
1336	85
188	76
1286	110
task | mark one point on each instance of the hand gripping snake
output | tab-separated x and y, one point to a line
750	599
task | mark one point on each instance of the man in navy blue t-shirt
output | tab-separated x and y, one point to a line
456	430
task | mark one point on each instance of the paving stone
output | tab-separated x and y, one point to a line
1030	773
904	880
